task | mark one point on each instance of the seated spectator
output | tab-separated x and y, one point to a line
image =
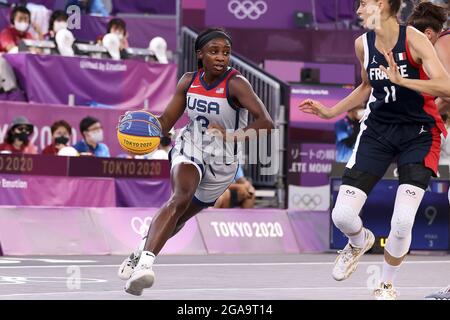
347	131
93	7
11	36
116	27
58	21
61	134
159	48
240	193
18	137
91	144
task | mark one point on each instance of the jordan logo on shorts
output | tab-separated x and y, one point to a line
422	130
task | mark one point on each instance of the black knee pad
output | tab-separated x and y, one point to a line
415	174
359	179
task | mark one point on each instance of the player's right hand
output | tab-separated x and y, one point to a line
315	107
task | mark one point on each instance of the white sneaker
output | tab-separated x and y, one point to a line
348	258
142	278
128	265
385	292
443	294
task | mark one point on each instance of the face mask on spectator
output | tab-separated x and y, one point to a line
23	136
21	26
96	136
120	35
61	140
59	25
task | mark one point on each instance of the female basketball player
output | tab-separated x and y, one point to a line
430	19
401	123
218	99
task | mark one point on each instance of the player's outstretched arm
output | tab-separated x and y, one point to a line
176	106
358	96
422	51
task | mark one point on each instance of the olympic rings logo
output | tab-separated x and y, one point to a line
141	226
306	201
247	9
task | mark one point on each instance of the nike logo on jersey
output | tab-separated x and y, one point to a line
422	130
377	74
195	86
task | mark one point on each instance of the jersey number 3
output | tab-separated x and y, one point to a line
389	94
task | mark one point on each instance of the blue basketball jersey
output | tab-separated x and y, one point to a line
391	103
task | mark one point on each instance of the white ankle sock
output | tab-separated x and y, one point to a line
358	239
142	244
389	272
147	259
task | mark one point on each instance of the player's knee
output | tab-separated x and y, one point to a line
402	223
345	219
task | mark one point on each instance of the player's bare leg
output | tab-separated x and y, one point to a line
185	179
127	267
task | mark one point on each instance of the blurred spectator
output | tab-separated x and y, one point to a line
39	19
91	144
8	80
164	147
240	193
61	134
18	137
64	42
11	36
93	7
159	47
115	39
347	131
58	21
59	33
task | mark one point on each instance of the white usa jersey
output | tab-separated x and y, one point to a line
208	104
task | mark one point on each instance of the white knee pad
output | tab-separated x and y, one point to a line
346	219
406	204
345	214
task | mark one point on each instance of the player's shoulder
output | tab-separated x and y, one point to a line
185	81
237	79
412	34
188	76
359	45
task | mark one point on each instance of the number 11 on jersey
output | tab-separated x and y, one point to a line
390	93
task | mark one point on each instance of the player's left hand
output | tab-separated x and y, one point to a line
392	73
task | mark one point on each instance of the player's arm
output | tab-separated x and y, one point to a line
177	105
442	48
242	92
358	96
422	51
